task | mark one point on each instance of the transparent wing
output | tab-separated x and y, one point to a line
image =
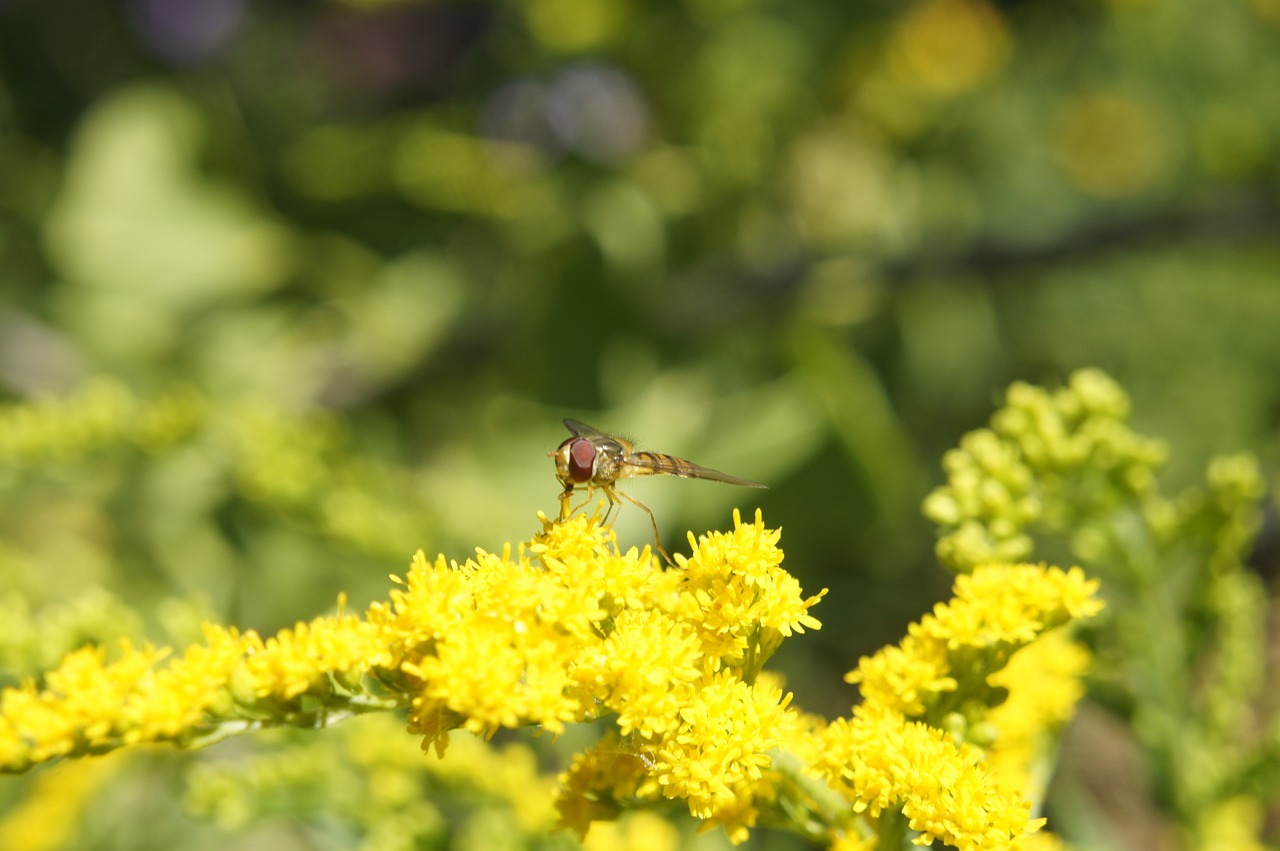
580	429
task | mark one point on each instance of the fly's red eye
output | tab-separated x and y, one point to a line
582	460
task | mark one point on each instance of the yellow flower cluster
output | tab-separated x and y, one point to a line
1044	681
898	751
501	642
716	755
567	629
997	609
883	761
90	705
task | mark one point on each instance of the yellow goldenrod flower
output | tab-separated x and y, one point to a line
563	630
83	705
895	754
882	761
742	602
715	758
1044	681
89	705
568	629
997	609
647	669
720	748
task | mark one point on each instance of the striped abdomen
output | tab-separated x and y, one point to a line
644	463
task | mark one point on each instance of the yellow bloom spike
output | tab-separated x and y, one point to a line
997	609
1044	681
895	755
567	629
881	761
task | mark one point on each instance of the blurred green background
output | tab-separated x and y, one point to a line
808	243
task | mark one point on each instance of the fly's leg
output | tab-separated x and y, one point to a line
567	510
652	520
614	504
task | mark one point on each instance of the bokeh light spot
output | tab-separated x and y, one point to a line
574	25
1109	144
949	47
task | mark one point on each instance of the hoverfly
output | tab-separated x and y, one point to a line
597	460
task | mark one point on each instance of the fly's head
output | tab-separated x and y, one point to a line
577	461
